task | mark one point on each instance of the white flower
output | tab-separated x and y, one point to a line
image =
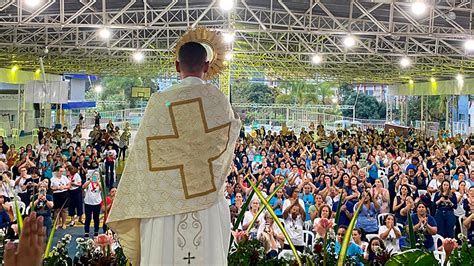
56	254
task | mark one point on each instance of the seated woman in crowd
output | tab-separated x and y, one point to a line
390	234
400	202
249	216
381	195
324	212
367	219
353	249
424	223
376	246
357	236
270	235
446	202
294	217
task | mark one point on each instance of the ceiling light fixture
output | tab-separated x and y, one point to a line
228	56
32	3
419	7
316	59
138	56
228	37
349	41
405	62
469	45
226	5
105	33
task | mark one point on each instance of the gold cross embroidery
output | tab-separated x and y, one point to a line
191	149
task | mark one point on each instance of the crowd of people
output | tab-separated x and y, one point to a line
59	175
391	175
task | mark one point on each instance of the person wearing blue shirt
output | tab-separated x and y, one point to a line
347	211
308	199
4	218
446	202
353	250
277	203
426	224
373	169
367	219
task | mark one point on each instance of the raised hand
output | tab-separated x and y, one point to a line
31	246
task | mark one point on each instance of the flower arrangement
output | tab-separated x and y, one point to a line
59	254
103	250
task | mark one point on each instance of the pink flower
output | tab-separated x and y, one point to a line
449	245
103	240
240	236
323	226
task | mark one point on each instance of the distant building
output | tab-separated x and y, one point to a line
376	90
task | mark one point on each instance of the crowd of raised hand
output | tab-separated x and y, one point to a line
392	176
60	175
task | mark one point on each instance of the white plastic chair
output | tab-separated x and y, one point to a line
439	238
463	228
440	256
308	237
22	207
384	180
308	225
34	134
382	173
381	218
287	254
370	236
15	135
422	192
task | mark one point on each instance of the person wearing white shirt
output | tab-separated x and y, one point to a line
21	185
92	200
435	183
294	216
60	185
293	196
75	195
249	216
270	235
6	186
390	233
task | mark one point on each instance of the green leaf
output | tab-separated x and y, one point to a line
19	218
412	257
104	191
347	237
51	234
338	213
411	232
263	206
240	218
276	220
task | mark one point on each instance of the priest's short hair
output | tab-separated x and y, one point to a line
192	56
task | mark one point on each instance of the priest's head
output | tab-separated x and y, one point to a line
192	60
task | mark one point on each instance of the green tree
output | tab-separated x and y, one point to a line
284	99
325	91
246	92
120	89
366	107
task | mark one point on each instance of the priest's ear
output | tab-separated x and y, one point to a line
178	69
206	67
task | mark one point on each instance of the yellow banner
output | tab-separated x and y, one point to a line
434	87
16	76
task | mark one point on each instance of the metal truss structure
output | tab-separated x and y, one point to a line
274	39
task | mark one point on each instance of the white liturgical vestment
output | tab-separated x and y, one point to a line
170	207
